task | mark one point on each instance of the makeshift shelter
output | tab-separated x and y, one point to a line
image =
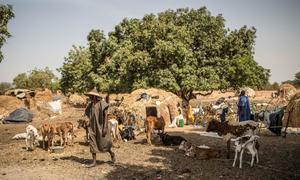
20	115
139	102
292	112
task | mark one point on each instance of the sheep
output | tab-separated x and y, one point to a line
249	142
230	131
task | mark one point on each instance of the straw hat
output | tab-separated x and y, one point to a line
93	92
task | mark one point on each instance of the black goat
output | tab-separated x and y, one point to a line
171	140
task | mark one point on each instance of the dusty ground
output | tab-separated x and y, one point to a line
279	159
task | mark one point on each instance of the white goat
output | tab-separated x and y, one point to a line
31	136
249	142
114	129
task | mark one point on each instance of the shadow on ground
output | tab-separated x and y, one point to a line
280	162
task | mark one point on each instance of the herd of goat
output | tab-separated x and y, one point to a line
243	134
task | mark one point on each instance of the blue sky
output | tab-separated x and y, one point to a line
45	30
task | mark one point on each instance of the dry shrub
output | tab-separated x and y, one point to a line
77	100
43	96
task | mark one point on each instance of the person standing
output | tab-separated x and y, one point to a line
243	107
99	137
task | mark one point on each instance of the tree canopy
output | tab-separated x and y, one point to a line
6	14
179	50
4	86
37	78
75	71
296	81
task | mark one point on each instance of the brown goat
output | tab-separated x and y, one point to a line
233	130
62	129
154	123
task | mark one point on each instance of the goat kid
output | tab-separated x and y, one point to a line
249	143
31	137
168	140
63	130
200	152
114	129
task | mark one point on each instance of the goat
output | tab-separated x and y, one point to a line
31	136
61	129
200	152
154	123
114	129
232	130
127	133
249	142
46	132
67	129
171	140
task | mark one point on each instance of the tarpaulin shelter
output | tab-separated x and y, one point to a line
20	115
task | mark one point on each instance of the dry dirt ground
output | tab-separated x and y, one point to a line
279	158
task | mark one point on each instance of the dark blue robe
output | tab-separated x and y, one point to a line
244	109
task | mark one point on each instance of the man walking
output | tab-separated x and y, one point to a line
99	137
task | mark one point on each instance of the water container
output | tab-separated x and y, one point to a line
181	122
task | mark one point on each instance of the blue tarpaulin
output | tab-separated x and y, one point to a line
20	115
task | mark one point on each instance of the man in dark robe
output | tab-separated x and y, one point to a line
99	135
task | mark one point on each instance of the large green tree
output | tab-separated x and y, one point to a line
6	14
76	70
179	50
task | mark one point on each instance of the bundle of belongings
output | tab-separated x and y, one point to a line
273	120
20	115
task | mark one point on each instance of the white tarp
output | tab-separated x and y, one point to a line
55	106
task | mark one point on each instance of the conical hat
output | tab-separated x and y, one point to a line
93	92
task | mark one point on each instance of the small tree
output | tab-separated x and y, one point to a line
21	81
37	78
6	14
4	86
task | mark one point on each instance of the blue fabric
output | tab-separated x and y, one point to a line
223	115
244	109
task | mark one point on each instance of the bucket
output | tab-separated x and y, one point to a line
181	122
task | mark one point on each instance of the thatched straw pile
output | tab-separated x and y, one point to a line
8	104
287	91
293	112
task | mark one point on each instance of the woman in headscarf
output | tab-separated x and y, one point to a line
99	135
243	107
